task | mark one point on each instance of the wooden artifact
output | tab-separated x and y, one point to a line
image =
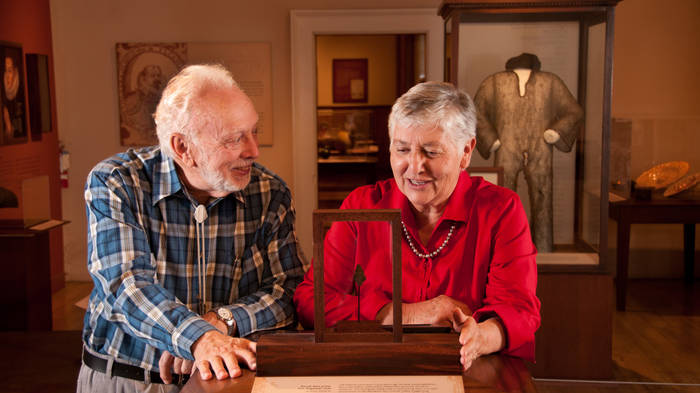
683	184
662	175
357	347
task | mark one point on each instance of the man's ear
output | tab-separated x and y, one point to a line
181	150
467	156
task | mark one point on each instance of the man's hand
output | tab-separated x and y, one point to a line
213	320
217	352
169	364
438	311
478	339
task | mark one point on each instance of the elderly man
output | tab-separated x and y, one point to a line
191	245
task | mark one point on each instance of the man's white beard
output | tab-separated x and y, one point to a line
217	181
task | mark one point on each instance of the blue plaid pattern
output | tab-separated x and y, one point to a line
142	258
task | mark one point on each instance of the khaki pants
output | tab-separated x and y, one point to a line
91	381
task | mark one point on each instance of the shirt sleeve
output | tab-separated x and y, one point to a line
512	281
270	305
123	270
486	133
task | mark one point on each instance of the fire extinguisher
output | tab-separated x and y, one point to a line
64	165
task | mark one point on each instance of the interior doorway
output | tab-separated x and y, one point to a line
305	26
358	78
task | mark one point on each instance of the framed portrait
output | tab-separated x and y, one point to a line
13	117
492	174
38	94
143	69
349	80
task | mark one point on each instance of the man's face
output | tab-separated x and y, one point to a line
151	79
9	64
227	144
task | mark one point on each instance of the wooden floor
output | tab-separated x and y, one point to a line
66	315
656	342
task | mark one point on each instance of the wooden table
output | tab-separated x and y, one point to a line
492	373
655	211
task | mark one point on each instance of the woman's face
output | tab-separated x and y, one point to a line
427	164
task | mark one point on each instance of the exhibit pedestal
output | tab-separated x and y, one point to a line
25	285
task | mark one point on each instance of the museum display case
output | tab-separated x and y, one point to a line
540	73
565	51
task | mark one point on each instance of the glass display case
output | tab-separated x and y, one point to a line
540	74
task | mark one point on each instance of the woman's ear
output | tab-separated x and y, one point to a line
181	150
467	156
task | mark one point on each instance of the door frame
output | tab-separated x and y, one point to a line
305	25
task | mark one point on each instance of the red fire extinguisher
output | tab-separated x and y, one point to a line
64	165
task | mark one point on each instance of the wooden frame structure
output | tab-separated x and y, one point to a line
322	220
362	350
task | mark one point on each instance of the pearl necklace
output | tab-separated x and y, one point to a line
428	255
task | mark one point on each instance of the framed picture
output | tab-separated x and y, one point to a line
143	69
13	119
349	80
492	174
38	94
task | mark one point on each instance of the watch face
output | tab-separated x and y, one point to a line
224	313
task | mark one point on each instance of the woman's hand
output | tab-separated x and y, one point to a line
438	311
478	339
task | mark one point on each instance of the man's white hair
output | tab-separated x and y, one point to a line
179	109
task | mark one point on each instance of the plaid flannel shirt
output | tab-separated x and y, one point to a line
143	262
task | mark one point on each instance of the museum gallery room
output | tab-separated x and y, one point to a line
581	130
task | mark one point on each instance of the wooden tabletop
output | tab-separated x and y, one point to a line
492	373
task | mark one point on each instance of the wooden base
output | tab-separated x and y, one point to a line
574	340
363	353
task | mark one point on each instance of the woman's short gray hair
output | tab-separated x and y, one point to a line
439	104
178	109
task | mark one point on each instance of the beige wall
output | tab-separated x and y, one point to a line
380	52
656	85
655	51
84	34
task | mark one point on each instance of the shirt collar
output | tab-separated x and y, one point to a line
165	179
457	204
456	209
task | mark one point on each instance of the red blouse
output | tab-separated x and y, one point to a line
488	264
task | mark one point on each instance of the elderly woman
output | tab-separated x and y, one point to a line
468	259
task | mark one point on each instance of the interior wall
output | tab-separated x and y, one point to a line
656	87
84	35
655	51
380	52
29	24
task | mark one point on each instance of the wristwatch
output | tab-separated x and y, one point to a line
225	315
